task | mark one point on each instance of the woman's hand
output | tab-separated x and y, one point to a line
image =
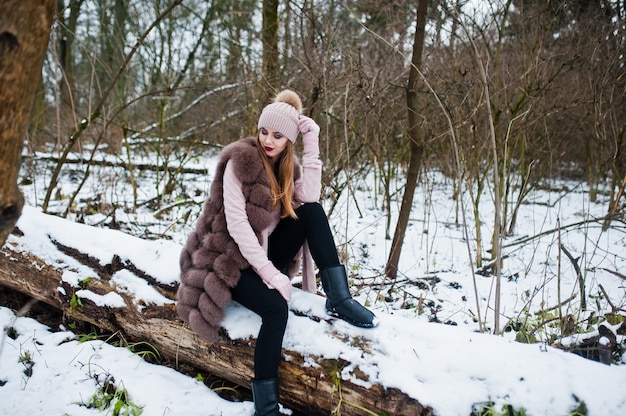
281	283
309	129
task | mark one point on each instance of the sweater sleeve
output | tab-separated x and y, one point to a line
309	186
240	229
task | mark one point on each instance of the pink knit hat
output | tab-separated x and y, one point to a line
283	114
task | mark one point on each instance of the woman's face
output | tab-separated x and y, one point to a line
272	142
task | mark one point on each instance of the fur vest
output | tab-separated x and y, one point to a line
210	261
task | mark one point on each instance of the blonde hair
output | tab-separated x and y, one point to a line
281	177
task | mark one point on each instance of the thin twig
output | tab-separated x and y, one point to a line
613	272
579	275
606	296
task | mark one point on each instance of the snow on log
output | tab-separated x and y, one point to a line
123	283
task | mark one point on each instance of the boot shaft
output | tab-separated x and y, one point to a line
335	283
265	396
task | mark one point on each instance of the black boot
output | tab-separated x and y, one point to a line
265	396
339	303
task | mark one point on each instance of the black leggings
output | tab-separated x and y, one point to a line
284	243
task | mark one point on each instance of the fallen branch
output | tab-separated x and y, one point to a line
525	240
109	163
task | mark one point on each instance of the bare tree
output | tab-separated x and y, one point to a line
67	23
416	137
24	32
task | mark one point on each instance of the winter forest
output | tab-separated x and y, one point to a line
474	173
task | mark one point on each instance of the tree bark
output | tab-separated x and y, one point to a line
24	32
310	389
269	37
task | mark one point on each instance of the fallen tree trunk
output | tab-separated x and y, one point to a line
117	164
317	389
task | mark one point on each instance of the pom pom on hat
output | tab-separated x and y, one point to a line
283	114
289	97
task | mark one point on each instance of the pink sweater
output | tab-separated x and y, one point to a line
306	189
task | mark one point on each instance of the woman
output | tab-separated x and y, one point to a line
261	217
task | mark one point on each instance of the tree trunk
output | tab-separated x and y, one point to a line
24	32
269	36
416	142
66	31
311	389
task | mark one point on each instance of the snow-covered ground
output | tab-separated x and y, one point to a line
449	367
